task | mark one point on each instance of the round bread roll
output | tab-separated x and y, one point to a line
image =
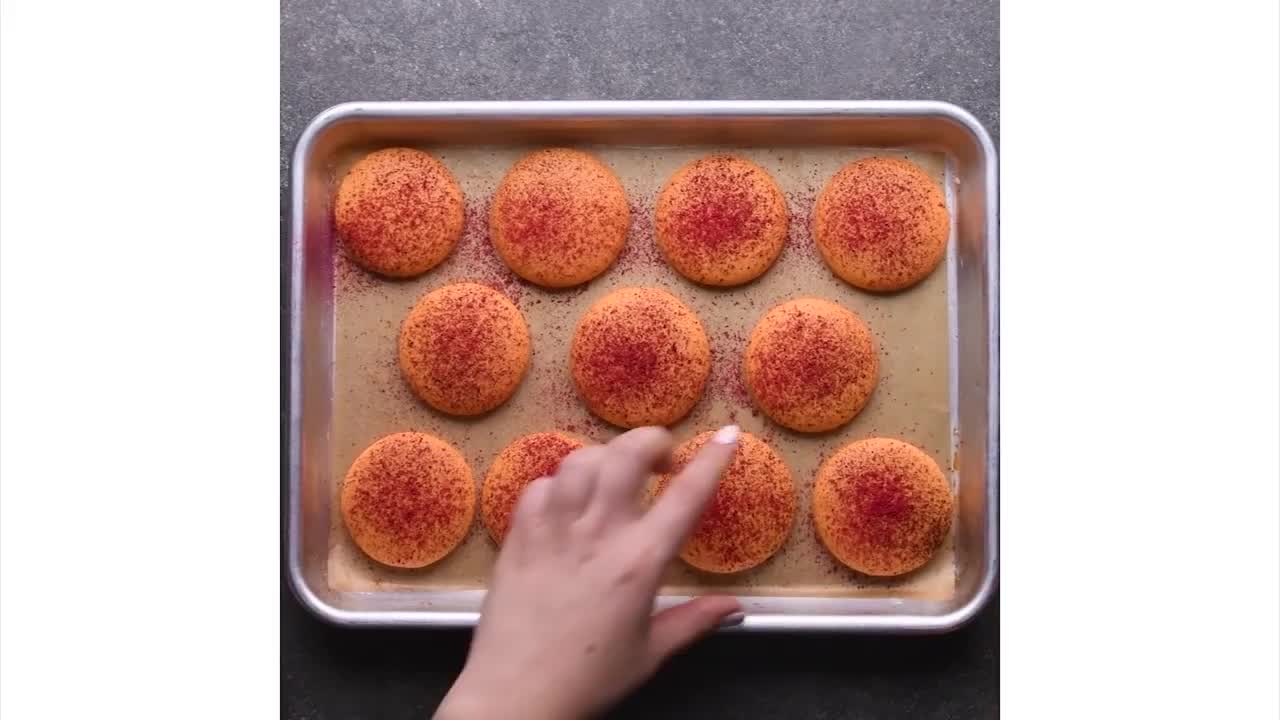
464	348
408	500
881	506
811	365
881	224
559	218
640	357
721	220
399	212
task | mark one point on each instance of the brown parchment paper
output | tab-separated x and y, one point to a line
371	398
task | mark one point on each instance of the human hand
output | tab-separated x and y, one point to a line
568	626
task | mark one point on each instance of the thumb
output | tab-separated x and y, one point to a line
676	627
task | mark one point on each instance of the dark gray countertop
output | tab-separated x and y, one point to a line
576	49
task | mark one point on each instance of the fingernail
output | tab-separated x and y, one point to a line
733	618
726	435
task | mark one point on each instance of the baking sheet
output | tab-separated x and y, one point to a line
911	401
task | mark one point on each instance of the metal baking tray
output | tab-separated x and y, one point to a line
971	172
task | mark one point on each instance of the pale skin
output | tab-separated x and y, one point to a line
568	625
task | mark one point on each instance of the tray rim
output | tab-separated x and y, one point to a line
550	109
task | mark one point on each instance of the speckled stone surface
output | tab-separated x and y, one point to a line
333	52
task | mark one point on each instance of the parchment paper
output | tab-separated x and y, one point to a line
371	399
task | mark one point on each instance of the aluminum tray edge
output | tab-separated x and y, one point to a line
952	620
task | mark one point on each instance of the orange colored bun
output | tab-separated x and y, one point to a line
399	212
881	224
408	500
811	365
559	217
464	348
881	506
721	220
640	357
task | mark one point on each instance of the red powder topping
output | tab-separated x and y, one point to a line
639	357
800	241
719	214
811	358
641	250
726	383
399	212
882	223
464	348
879	495
811	365
408	499
721	220
542	454
882	218
882	506
879	503
625	363
478	260
559	217
351	279
538	225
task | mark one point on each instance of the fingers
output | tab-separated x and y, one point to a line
531	517
675	628
633	457
677	510
548	505
575	481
